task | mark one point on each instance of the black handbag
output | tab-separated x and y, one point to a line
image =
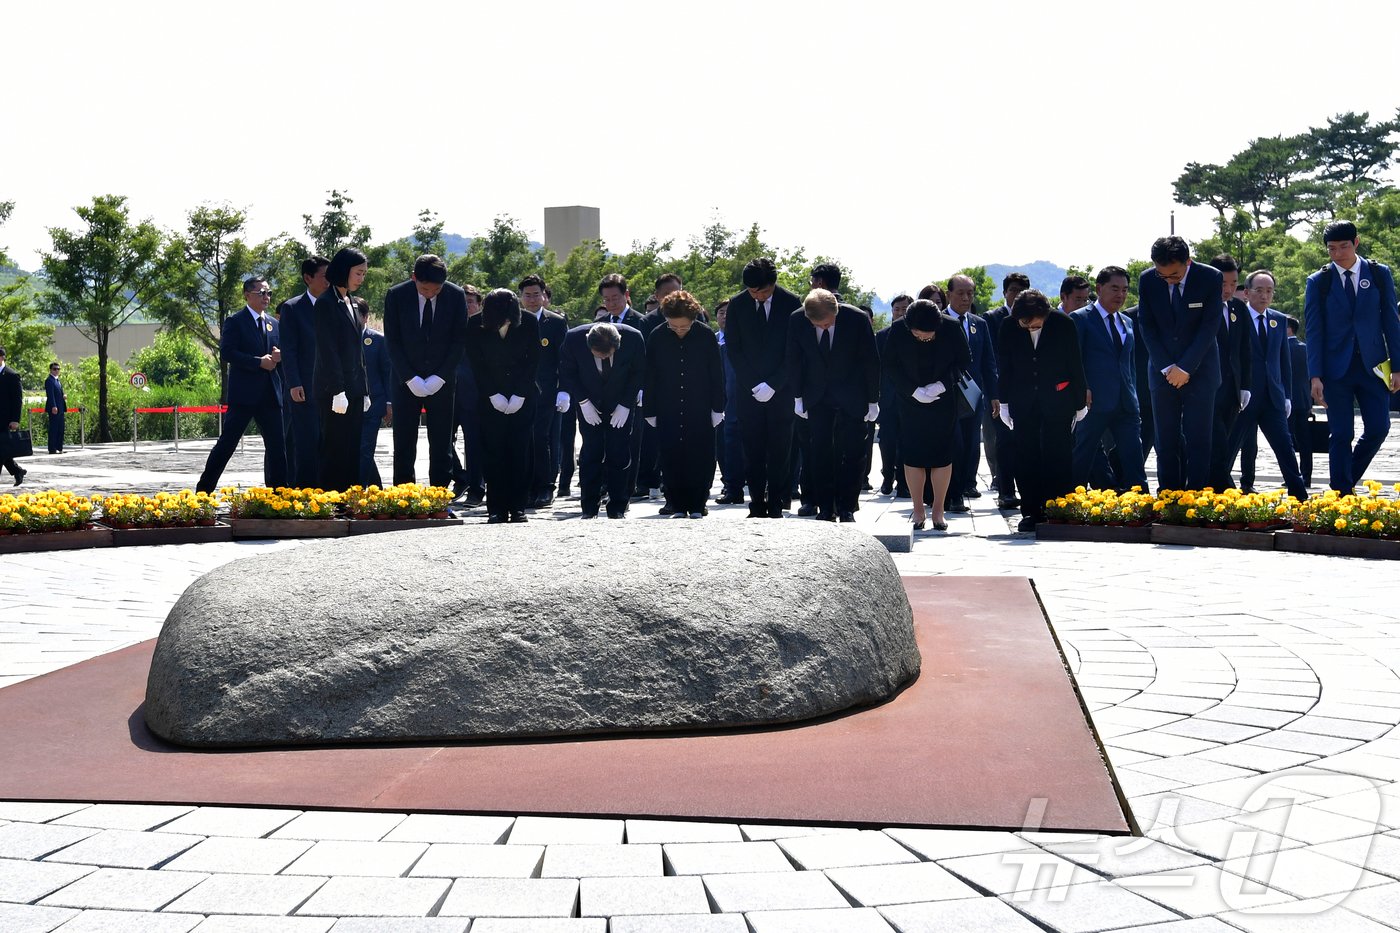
969	396
1318	440
16	444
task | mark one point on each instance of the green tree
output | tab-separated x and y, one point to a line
1351	150
336	227
102	275
6	209
278	260
25	336
984	287
175	358
427	234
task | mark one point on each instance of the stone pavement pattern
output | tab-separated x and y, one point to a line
1248	701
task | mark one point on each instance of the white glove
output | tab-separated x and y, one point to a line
921	396
873	411
432	384
1005	416
1287	408
934	390
798	408
1245	396
763	392
513	404
639	397
418	387
619	416
561	402
366	408
715	418
1080	415
590	413
652	421
498	402
340	404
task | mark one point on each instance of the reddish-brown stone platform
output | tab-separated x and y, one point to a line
990	731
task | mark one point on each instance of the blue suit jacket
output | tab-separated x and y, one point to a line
378	369
1335	330
1301	393
53	395
297	323
1276	378
984	355
1184	337
1108	371
579	375
241	346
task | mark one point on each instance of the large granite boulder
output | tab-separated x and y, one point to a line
541	629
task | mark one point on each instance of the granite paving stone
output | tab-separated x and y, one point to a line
379	859
1006	872
1197	925
253	924
763	832
1304	873
1306	824
712	858
1119	856
125	921
472	860
511	897
135	817
24	881
546	830
122	888
567	860
881	885
664	831
861	920
1303	917
442	827
35	840
340	825
252	822
401	925
540	925
864	848
26	918
239	855
679	923
1202	891
375	897
1089	908
25	811
984	915
122	848
1381	902
773	891
611	897
278	895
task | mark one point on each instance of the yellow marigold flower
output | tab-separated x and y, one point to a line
1339	524
1190	513
1376	526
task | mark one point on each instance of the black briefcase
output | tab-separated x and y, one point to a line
15	444
1318	439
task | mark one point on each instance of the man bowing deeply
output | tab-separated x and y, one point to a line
1179	310
425	321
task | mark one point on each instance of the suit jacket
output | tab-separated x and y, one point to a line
505	366
1108	371
1236	362
553	328
995	319
415	352
910	363
1336	330
296	321
630	316
1275	378
1049	375
241	345
1139	363
758	347
984	357
379	372
1184	336
579	376
1301	391
11	400
53	396
849	377
340	356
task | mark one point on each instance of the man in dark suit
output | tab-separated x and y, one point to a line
1236	376
296	322
544	432
56	404
249	345
1270	403
961	292
1106	348
601	367
11	400
1075	292
834	373
1301	394
757	346
1001	451
1353	328
649	478
1141	382
379	377
468	477
617	307
891	465
1179	312
425	321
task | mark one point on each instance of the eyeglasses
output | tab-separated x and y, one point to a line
265	291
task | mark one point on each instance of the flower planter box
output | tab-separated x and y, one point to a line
289	527
1302	542
1213	537
95	536
1124	534
370	526
190	534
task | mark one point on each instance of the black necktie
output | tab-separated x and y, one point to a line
1176	295
607	368
1350	285
1263	340
824	344
262	330
1113	329
427	314
614	319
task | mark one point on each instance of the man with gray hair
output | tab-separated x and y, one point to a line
601	367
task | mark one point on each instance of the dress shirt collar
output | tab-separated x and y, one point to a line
831	327
1355	267
1106	317
257	318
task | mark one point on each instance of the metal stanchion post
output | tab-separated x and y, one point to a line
82	427
133	430
177	429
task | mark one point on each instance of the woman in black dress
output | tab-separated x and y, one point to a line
340	387
683	399
925	353
504	347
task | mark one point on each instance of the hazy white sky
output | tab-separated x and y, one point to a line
905	139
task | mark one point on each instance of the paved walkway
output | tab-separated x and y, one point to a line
1249	703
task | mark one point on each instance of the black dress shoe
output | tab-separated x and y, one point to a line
825	517
19	477
886	488
593	514
957	505
807	511
668	509
496	520
1007	504
730	498
458	488
758	510
612	514
901	493
847	516
518	518
972	492
865	486
474	498
1026	524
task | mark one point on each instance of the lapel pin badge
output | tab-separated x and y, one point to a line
1273	323
1365	283
368	342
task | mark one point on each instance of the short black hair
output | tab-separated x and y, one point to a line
1108	272
1225	263
1293	326
54	365
429	269
1339	230
339	272
1019	280
252	282
1249	279
760	273
1030	304
1170	249
829	273
500	307
933	292
665	277
532	280
313	264
1072	283
901	297
613	280
923	315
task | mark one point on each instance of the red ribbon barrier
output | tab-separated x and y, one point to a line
203	409
40	411
155	411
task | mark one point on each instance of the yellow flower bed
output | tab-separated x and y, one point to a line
409	500
282	502
163	510
1101	507
50	510
1230	507
1366	514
